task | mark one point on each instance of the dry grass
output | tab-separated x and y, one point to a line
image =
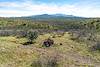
69	54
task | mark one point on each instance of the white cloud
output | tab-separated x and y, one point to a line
13	13
28	8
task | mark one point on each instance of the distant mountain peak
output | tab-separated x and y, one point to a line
52	16
64	15
59	14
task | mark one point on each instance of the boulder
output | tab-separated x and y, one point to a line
48	42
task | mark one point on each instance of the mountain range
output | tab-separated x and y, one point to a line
52	16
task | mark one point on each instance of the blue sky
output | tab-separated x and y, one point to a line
16	8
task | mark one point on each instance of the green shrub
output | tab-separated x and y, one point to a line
32	35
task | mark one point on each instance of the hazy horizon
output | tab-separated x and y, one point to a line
18	8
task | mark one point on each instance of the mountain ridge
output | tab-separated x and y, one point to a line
53	15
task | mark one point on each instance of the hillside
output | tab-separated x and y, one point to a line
26	42
69	54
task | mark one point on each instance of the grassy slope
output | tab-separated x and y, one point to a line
72	54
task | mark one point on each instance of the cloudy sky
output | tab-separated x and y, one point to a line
16	8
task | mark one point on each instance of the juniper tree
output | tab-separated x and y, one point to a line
31	35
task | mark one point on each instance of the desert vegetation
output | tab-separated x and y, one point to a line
59	42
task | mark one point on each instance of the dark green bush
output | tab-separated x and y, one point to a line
32	35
